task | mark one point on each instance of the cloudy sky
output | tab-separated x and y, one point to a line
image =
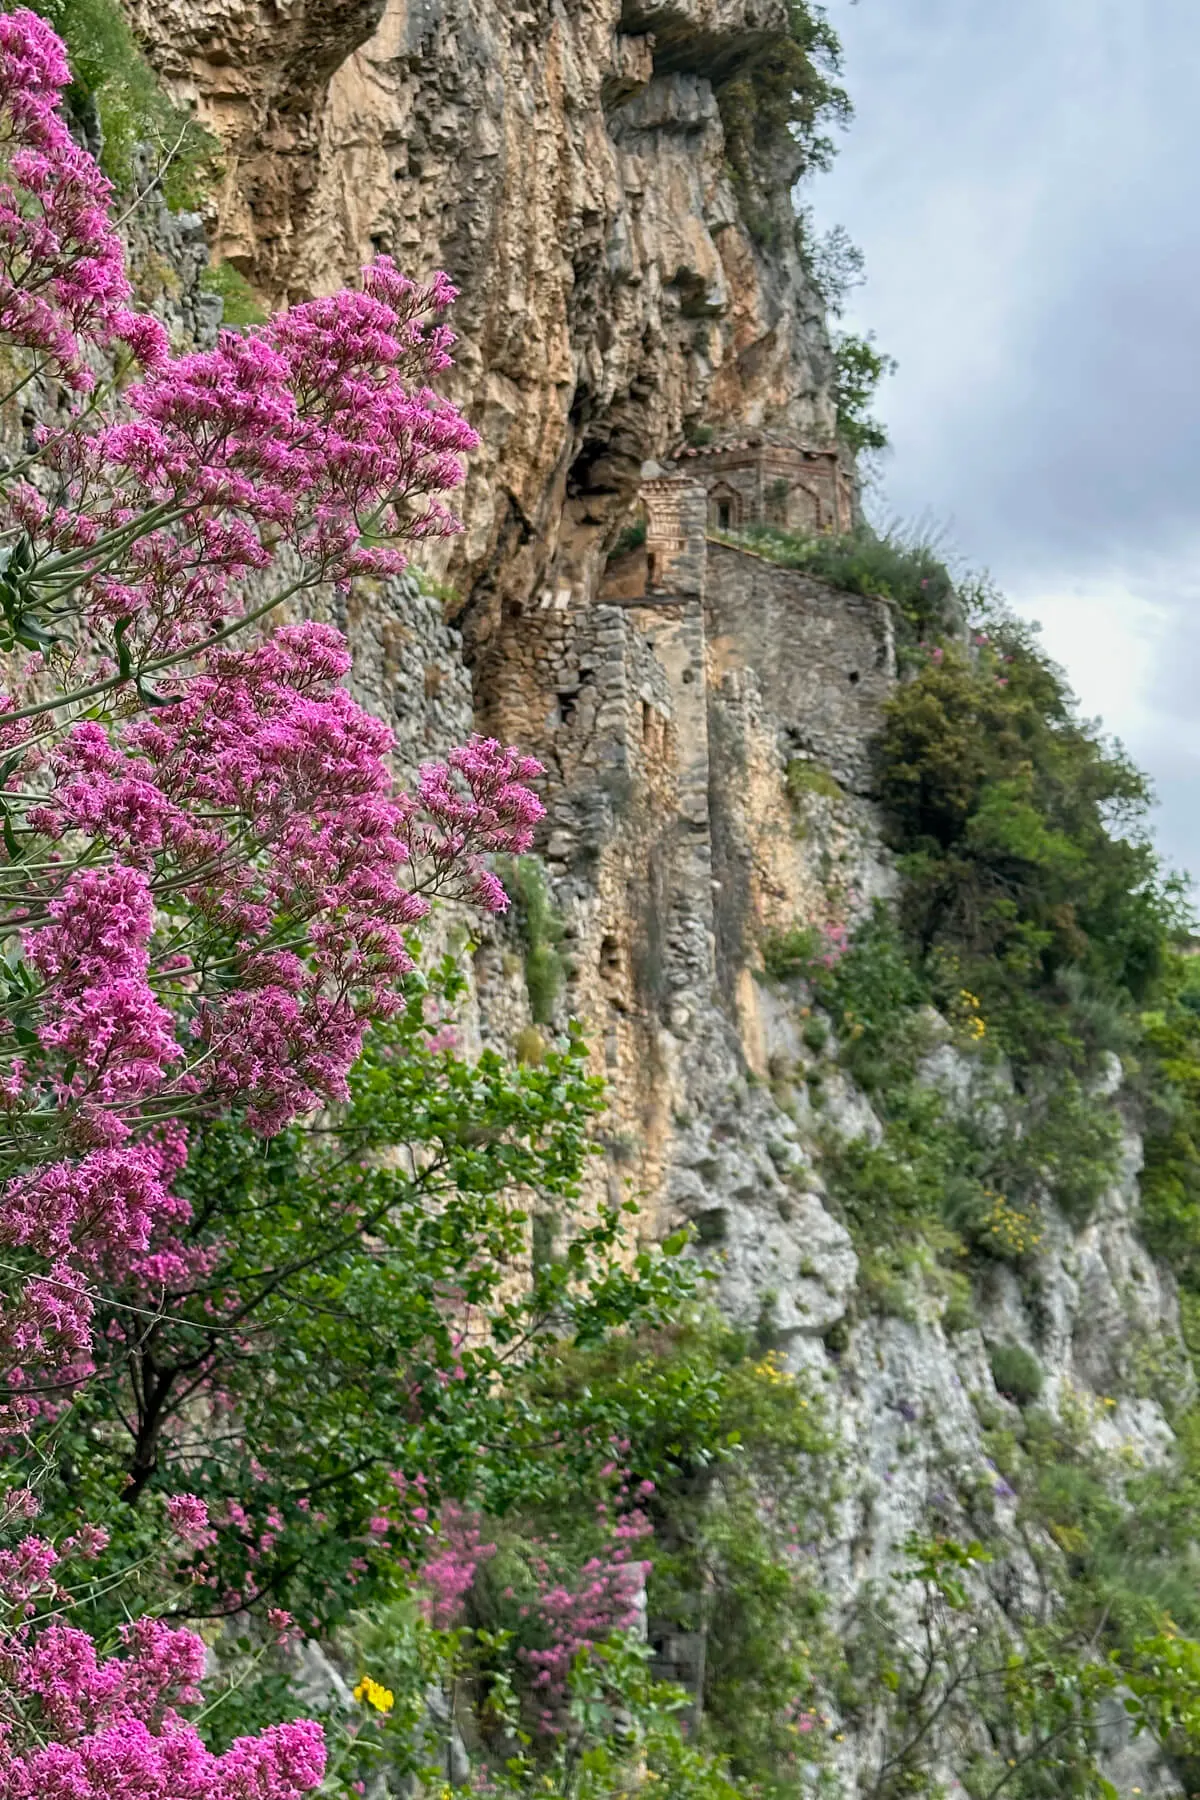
1024	181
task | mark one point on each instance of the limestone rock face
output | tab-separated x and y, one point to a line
565	161
705	718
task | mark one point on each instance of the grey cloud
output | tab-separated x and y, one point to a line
1024	181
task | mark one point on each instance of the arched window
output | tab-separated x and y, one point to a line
724	508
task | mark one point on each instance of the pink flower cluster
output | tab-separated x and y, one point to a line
63	283
835	941
450	1574
262	807
75	1218
604	1597
75	1726
317	433
100	1017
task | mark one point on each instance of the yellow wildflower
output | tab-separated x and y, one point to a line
381	1698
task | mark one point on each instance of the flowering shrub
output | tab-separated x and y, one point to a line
207	884
207	875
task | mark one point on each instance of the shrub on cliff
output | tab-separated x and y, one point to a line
905	569
1023	844
776	106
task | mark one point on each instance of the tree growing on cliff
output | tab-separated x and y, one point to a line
777	102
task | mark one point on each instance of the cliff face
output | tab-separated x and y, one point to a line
567	164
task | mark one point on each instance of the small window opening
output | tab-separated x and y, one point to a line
724	515
853	678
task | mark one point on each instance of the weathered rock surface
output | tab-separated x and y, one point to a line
565	162
707	743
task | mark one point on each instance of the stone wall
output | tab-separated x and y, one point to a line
825	659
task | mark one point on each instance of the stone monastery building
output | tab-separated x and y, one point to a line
765	479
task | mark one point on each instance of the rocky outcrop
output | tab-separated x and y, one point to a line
704	717
566	164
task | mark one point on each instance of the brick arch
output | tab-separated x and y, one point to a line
725	507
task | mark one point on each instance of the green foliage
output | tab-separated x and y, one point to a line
791	953
316	1349
873	995
239	304
946	1180
858	369
630	537
776	105
907	570
541	933
1017	1373
737	1460
1170	1184
805	777
833	262
1023	1715
116	96
741	1464
334	1262
1030	878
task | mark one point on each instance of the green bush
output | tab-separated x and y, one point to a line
1029	876
1017	1373
790	954
907	570
541	932
805	777
873	995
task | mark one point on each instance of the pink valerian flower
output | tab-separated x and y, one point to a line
308	432
107	1729
63	284
45	1326
89	1542
188	1518
100	1014
835	941
266	739
19	1503
283	1625
450	1574
476	801
84	1217
25	1571
100	1209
